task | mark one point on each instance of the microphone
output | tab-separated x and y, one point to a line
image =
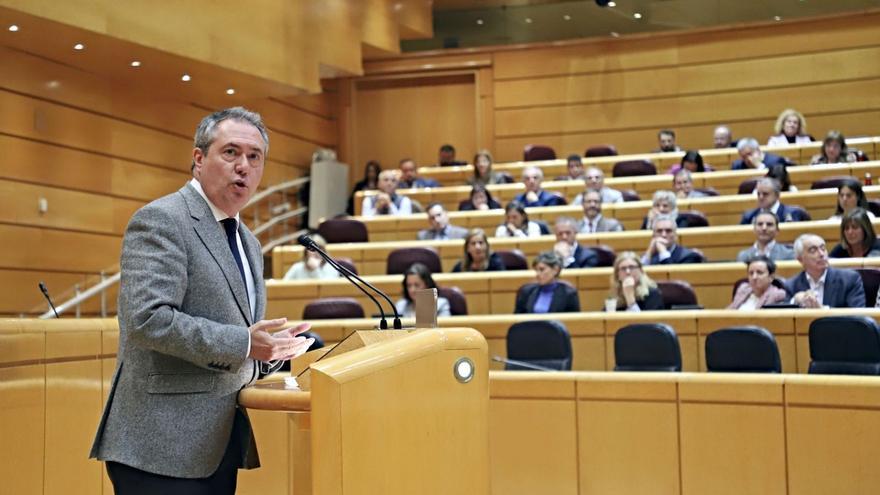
523	364
45	292
309	244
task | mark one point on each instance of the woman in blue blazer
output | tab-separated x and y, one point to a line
548	294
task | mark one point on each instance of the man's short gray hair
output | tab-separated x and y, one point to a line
537	169
747	143
567	220
206	132
799	243
770	181
670	218
664	195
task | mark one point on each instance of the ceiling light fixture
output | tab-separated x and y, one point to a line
479	22
637	15
230	91
615	34
185	78
777	18
135	63
79	46
612	4
13	28
566	17
528	20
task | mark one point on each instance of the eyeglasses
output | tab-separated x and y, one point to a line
627	268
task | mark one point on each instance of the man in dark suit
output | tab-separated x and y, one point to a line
573	254
819	285
534	195
768	191
441	229
191	333
751	156
409	177
664	249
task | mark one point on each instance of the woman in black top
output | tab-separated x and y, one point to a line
857	237
478	257
481	199
633	290
369	183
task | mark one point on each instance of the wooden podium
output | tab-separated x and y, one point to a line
404	415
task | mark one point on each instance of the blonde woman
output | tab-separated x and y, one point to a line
312	265
483	174
632	288
790	128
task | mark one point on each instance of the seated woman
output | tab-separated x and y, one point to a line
633	290
857	237
370	182
834	150
790	128
481	199
548	295
849	196
517	223
759	291
418	277
312	265
663	203
478	257
483	174
692	161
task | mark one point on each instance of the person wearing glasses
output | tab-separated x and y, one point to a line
664	248
633	290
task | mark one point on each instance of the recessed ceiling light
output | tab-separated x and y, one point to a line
615	34
13	28
612	4
230	91
777	18
480	22
637	15
566	17
79	46
528	20
135	63
185	78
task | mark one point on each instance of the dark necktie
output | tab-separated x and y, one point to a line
230	226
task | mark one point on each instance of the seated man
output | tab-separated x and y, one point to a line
575	168
573	254
409	178
593	220
766	226
768	191
663	248
819	285
446	157
534	195
722	137
751	156
594	178
666	140
386	201
441	229
683	185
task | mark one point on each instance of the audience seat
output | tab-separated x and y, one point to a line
329	308
874	206
748	186
746	349
540	342
601	150
348	263
401	259
545	229
677	293
844	345
456	298
605	255
513	259
708	191
536	152
629	168
799	212
832	182
630	195
343	230
647	347
692	218
871	281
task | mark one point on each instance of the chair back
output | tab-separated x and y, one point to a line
605	255
748	186
536	152
630	195
647	347
329	308
844	345
799	214
343	230
629	168
348	263
832	182
874	207
677	293
543	226
746	349
513	259
399	260
601	150
691	218
871	281
542	342
457	301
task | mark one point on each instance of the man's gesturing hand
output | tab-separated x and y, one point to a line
281	345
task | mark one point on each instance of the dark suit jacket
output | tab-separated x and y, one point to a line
652	301
545	198
584	257
769	160
784	213
843	288
565	299
679	255
495	264
418	183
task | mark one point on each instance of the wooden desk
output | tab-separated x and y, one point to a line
719	210
720	159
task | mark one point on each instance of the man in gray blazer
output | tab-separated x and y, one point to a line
441	229
766	227
191	299
593	220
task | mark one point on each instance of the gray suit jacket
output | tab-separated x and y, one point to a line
605	225
183	342
452	232
779	252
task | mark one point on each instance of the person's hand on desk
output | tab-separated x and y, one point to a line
807	299
282	345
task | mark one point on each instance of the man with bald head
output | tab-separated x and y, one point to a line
768	191
722	137
594	178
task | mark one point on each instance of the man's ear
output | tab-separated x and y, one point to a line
197	157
